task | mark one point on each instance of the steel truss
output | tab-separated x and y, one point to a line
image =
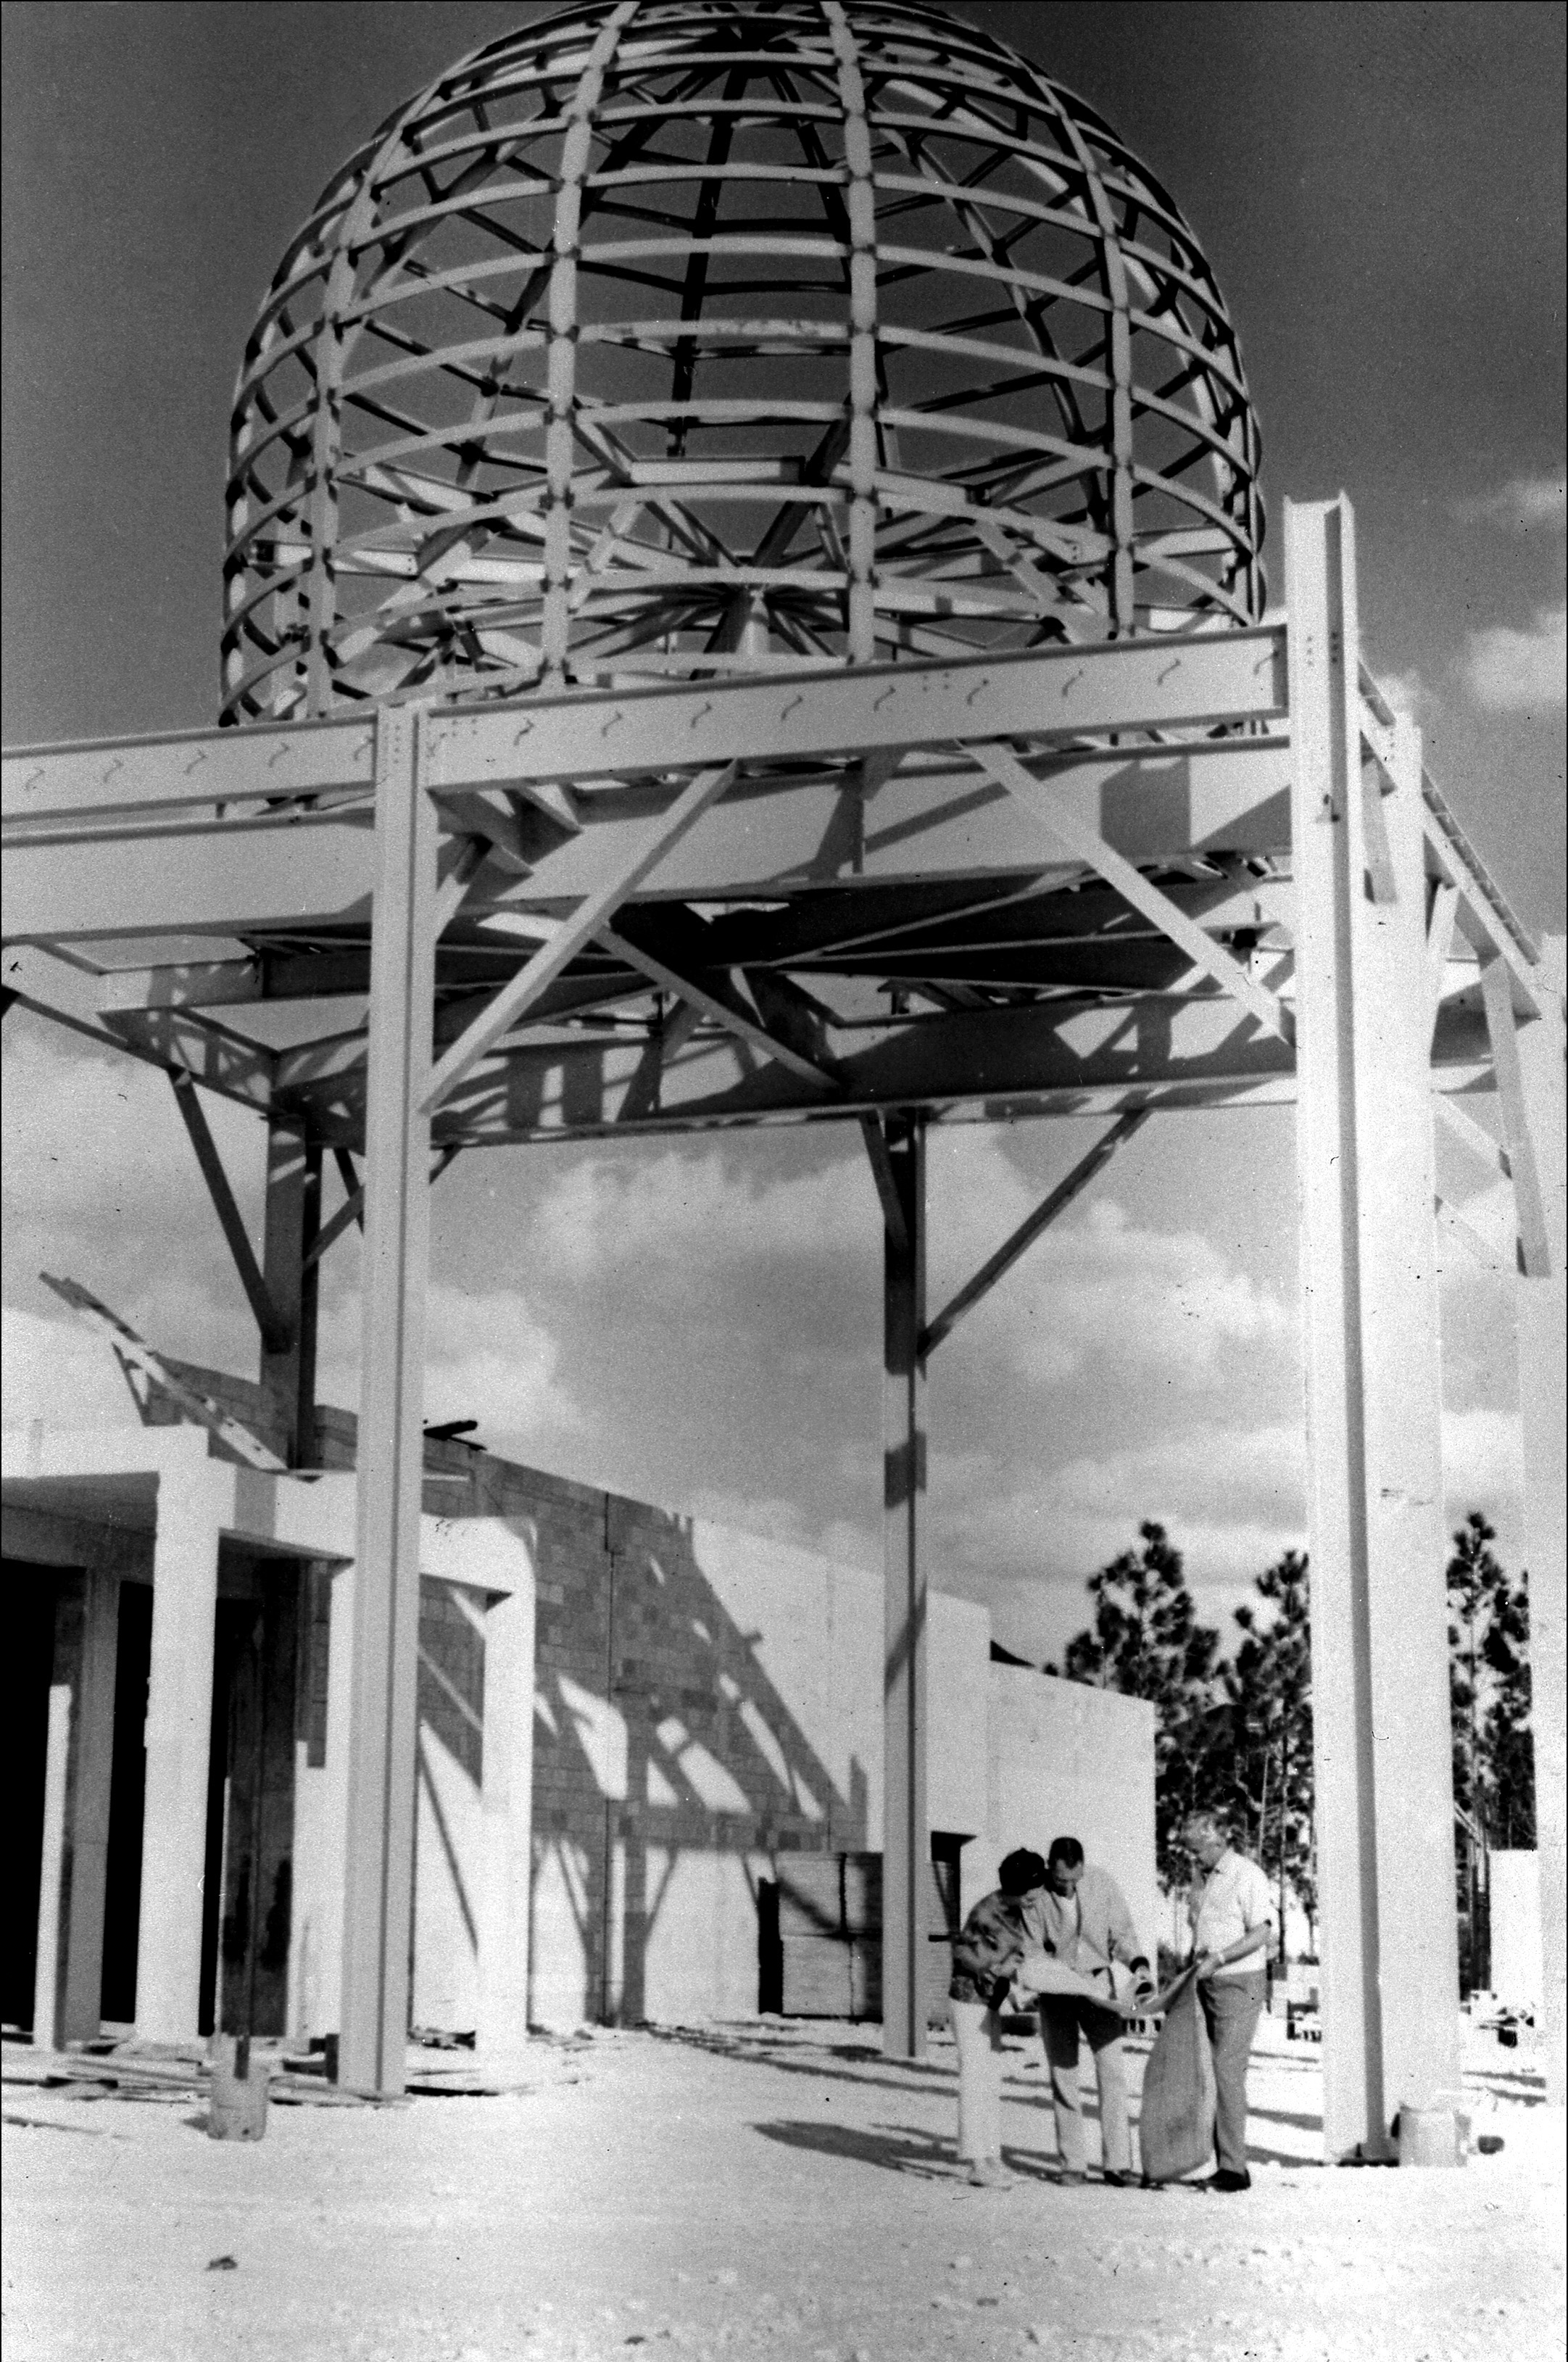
1119	878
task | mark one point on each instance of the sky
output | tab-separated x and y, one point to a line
1379	189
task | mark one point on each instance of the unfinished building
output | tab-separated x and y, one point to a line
743	605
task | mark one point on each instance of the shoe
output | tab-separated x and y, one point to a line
990	2173
1226	2180
1115	2180
1069	2179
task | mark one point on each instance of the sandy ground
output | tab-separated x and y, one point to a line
760	2189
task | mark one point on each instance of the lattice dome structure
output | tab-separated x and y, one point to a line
676	338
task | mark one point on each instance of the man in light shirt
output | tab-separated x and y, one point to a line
1083	1921
1232	1918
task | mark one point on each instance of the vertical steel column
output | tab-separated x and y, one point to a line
1542	1348
78	1774
1364	1163
377	1885
291	1220
191	1500
905	1841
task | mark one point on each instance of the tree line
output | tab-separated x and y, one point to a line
1234	1731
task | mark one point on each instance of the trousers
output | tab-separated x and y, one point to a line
1231	2008
1062	2019
976	2031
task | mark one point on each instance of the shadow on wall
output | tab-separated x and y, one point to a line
669	1771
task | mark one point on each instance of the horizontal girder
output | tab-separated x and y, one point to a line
871	913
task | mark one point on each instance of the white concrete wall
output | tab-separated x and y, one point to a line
958	1707
1516	1929
1068	1760
820	1645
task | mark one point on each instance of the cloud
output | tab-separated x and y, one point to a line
1483	1467
604	1214
93	1139
1232	1496
1105	1289
1525	505
1512	671
59	1372
1405	691
486	1357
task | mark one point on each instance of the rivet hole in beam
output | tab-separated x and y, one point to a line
513	1002
1037	798
1021	1239
1535	1260
135	1353
727	1014
353	1207
277	1332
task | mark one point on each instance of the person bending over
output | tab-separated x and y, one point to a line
999	1945
1081	1918
1232	1918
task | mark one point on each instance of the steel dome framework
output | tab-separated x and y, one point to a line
682	338
983	788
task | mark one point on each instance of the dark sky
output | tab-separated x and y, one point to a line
1378	186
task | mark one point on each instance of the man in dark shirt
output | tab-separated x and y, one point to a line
1000	1942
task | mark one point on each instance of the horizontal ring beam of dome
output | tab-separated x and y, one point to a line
667	339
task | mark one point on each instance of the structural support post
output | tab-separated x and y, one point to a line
179	1737
377	1885
1376	1522
507	1799
78	1770
1545	1419
906	1876
291	1220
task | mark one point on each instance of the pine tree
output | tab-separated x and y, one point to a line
1489	1702
1265	1751
1145	1640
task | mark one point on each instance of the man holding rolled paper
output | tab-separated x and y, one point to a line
1000	1947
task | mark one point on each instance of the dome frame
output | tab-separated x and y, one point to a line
658	340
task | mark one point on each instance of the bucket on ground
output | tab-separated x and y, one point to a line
1433	2135
239	2104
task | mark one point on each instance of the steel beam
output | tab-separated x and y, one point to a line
187	766
1140	893
1374	1472
1047	695
1543	1412
276	1327
1534	1253
906	1844
640	855
378	1897
1044	696
1079	1057
291	1272
242	878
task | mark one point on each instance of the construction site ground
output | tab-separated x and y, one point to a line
768	2189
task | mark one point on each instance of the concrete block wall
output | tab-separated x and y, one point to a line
704	1704
1065	1760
